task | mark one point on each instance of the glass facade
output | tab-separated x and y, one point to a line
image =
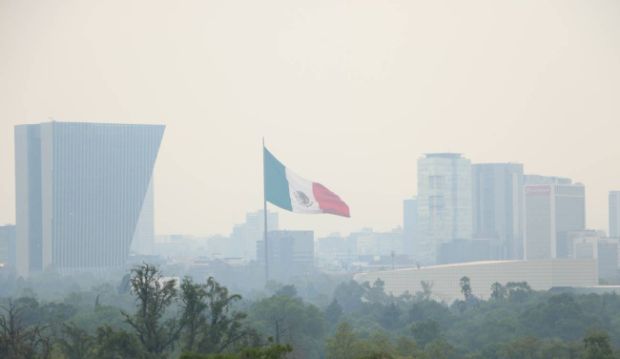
84	185
497	207
614	214
552	211
444	202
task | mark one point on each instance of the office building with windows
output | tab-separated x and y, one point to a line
410	226
497	199
444	202
290	254
552	211
80	192
614	214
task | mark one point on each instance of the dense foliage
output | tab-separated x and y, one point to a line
147	315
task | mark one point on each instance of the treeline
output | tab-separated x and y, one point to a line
515	323
190	320
149	316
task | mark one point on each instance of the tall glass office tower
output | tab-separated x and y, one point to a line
444	202
552	210
614	214
80	190
498	207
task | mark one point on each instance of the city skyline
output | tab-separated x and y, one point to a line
297	222
350	96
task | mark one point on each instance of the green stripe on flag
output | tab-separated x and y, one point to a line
276	185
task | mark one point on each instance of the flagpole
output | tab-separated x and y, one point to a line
265	218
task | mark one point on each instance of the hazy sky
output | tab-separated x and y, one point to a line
347	93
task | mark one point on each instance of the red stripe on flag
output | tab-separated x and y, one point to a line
329	202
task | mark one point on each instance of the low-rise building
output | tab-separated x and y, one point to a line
539	274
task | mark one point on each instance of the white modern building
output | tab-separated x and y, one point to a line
444	202
539	274
80	192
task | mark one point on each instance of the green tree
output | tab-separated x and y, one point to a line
343	344
288	290
407	347
426	332
154	295
118	344
521	348
75	343
439	349
17	340
466	288
333	312
427	290
273	351
290	321
376	292
498	292
349	295
390	317
597	346
518	291
212	326
194	317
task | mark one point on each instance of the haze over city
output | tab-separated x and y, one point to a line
349	93
318	179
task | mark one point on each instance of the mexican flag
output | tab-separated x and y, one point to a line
288	191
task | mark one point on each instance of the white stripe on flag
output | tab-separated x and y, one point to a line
302	195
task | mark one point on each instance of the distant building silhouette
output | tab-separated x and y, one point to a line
552	210
498	207
80	189
144	237
369	243
335	252
242	241
291	254
7	246
410	226
592	244
444	202
614	214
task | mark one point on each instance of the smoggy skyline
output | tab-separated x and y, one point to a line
346	93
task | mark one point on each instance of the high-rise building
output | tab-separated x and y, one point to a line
444	202
552	211
144	236
607	257
80	190
497	199
7	246
291	253
244	236
410	226
614	214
